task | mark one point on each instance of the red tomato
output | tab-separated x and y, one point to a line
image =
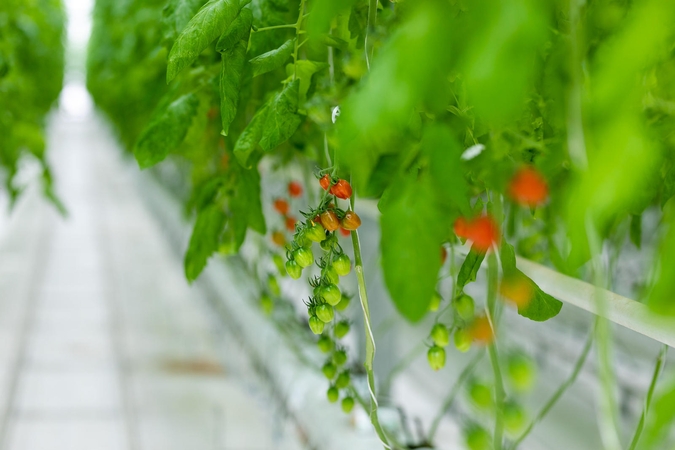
290	223
342	189
344	232
329	220
325	182
278	238
484	232
444	254
281	206
351	221
294	189
461	227
528	187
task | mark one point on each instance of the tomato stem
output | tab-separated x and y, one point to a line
297	27
493	280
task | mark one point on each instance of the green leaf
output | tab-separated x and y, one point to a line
323	12
304	70
166	131
281	120
177	14
231	75
273	59
249	138
469	270
636	229
209	23
204	240
542	306
238	30
660	297
245	205
334	41
412	231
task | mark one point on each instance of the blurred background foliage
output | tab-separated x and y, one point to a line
31	76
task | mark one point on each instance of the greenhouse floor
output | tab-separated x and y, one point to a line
103	344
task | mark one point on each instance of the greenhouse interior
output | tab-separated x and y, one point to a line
337	224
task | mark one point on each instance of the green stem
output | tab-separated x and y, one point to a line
558	393
275	27
297	27
499	394
648	400
372	21
468	370
370	341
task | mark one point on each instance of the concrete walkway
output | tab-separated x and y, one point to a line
103	346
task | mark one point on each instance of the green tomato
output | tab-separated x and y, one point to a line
435	302
462	340
316	233
303	256
325	312
440	335
343	380
303	241
341	329
436	357
329	370
331	275
316	325
342	264
465	306
273	285
267	304
333	394
330	294
329	242
481	395
478	438
293	269
522	372
325	344
347	404
279	262
344	303
340	358
515	418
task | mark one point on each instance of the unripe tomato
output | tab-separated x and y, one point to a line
478	438
481	330
528	187
344	303
347	404
351	221
325	182
281	206
331	294
290	223
273	285
303	256
316	233
341	329
325	344
465	306
303	241
522	371
515	417
342	265
481	395
294	189
340	358
343	380
293	269
440	335
462	340
325	312
330	220
333	394
279	262
342	189
329	243
329	370
316	325
436	357
267	304
331	275
278	238
435	302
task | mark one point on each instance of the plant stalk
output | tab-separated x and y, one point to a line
499	394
